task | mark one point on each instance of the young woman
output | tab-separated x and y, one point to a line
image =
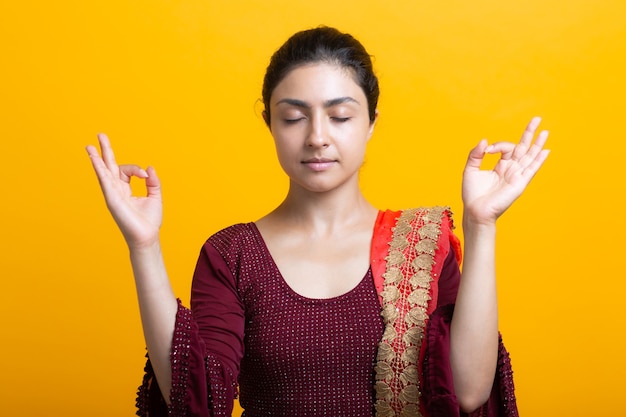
287	310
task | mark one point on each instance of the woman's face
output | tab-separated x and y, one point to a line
320	124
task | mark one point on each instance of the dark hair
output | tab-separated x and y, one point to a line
322	44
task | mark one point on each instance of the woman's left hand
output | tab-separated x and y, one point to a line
487	194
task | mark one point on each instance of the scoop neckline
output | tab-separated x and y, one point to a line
284	283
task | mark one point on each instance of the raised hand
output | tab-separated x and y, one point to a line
488	193
139	218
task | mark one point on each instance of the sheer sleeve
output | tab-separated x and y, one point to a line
207	347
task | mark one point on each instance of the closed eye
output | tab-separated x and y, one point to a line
292	121
340	119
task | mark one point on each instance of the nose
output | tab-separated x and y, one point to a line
318	133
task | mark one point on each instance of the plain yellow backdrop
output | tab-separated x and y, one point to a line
175	85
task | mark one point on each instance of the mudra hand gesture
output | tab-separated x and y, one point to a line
139	218
487	194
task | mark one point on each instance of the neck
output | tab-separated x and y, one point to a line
324	213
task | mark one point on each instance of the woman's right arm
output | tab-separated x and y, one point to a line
139	220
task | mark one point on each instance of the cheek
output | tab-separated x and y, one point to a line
284	147
356	139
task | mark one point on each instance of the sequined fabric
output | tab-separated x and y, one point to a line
179	358
303	357
292	356
211	382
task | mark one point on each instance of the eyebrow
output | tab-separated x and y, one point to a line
328	103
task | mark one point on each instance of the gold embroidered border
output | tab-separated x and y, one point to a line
405	297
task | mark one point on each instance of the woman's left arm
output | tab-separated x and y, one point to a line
486	195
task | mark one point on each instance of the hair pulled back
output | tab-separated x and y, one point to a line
322	45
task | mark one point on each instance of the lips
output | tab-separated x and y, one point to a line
319	164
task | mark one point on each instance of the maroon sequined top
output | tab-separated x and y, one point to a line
290	355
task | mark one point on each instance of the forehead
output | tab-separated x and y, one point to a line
318	82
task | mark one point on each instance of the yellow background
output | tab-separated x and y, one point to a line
175	85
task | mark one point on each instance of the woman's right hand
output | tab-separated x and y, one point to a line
139	218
